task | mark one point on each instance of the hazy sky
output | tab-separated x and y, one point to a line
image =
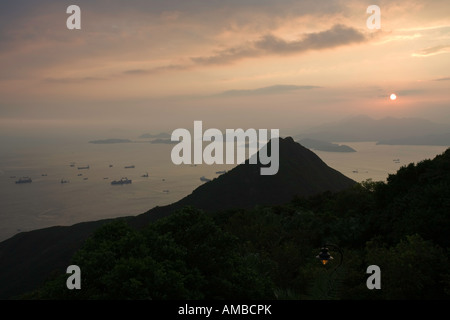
159	65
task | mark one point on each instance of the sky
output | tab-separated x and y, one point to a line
152	66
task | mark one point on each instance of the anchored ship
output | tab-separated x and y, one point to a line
121	181
24	180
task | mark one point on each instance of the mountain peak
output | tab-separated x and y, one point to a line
301	173
288	140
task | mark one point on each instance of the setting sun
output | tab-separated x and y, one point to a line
393	97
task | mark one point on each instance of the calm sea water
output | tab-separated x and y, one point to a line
376	162
89	195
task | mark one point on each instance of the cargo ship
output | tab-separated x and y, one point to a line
24	180
121	181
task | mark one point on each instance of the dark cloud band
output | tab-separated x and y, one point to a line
338	35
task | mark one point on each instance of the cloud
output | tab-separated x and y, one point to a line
155	70
432	51
410	92
403	93
117	34
338	35
275	89
73	80
442	79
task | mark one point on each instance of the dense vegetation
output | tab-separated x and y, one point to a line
269	252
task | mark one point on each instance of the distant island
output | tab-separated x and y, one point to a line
154	141
428	140
363	128
325	146
161	135
109	141
164	141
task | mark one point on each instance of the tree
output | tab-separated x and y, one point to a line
412	269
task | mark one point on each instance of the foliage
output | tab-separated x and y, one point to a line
184	256
412	269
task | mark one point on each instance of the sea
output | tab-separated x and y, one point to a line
62	193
